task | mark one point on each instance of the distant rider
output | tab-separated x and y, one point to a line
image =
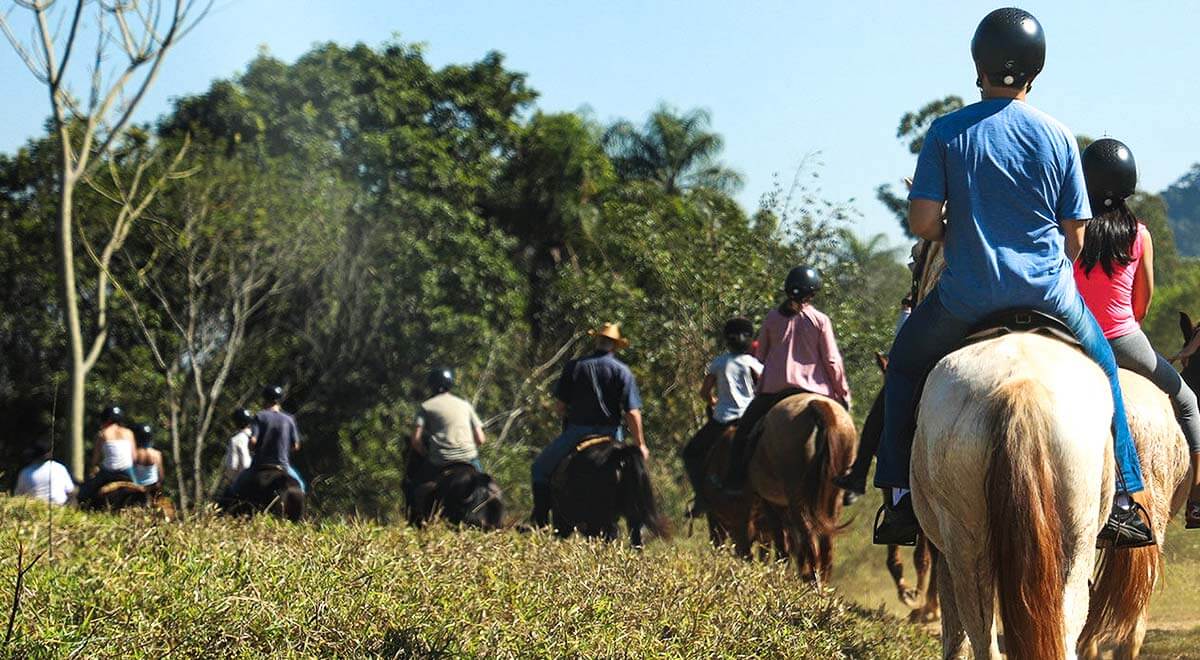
800	354
148	462
112	454
45	479
594	393
274	436
447	429
727	390
237	454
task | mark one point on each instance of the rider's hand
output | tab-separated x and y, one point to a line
645	451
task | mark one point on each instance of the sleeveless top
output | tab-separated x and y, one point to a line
1111	298
145	475
116	456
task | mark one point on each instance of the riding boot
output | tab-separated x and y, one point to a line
541	506
896	524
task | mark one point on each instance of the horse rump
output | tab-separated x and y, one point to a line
265	489
469	497
602	481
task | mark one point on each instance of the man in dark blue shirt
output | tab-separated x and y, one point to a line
594	393
274	435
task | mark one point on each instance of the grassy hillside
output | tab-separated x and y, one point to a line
124	585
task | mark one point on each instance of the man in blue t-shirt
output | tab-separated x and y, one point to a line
1010	180
594	394
274	435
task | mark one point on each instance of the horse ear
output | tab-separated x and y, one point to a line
1185	325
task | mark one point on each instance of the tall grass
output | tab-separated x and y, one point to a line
128	586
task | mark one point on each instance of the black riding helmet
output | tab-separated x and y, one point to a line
738	333
1111	173
112	415
1009	47
272	394
801	283
143	434
441	379
242	417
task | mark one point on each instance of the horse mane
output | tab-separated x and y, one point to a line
1024	529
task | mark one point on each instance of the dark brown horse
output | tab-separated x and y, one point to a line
110	492
458	492
267	488
600	482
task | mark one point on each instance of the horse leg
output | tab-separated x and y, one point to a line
931	610
635	532
1131	647
974	600
825	561
954	637
895	566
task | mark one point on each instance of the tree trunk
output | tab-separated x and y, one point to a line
70	303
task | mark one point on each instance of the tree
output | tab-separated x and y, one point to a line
144	32
673	151
913	127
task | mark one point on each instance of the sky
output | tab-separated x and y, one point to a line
786	82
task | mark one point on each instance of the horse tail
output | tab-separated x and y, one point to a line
1024	530
637	493
816	500
1120	593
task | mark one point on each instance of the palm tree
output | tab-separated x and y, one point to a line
676	152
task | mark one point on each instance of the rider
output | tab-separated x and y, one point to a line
448	429
45	478
112	455
592	394
799	354
237	454
274	436
733	375
1115	276
1010	179
147	461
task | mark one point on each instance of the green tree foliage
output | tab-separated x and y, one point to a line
355	217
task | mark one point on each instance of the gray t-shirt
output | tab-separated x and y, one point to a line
736	375
448	426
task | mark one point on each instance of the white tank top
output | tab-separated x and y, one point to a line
116	456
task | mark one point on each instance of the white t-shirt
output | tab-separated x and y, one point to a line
735	384
48	480
237	457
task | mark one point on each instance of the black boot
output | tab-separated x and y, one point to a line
896	524
1126	527
541	506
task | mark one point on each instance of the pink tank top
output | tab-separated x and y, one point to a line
1111	298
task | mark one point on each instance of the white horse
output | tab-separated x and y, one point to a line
1012	473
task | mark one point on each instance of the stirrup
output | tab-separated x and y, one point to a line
1126	523
1192	515
880	518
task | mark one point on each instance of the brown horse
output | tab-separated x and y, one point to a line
807	439
735	520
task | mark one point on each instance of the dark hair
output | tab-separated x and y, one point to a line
1108	240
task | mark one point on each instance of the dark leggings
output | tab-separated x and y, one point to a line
695	452
868	440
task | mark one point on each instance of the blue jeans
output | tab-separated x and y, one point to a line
296	475
562	446
929	335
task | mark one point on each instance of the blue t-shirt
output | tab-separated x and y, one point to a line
1009	174
597	389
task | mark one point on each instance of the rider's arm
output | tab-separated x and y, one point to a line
706	390
1073	232
925	219
1143	279
415	442
477	428
633	419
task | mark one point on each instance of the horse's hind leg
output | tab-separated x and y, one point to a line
954	637
635	531
895	566
974	604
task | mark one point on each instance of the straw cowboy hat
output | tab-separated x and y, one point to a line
611	331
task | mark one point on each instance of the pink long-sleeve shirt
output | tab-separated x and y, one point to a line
801	351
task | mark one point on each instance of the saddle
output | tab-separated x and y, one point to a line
1011	321
559	475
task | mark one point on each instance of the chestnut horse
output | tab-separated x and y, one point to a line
807	439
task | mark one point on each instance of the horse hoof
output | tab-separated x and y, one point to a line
910	598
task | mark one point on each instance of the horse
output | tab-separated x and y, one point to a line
600	482
1120	592
111	492
807	439
458	492
1013	491
266	488
736	520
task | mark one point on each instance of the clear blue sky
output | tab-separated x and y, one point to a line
782	79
